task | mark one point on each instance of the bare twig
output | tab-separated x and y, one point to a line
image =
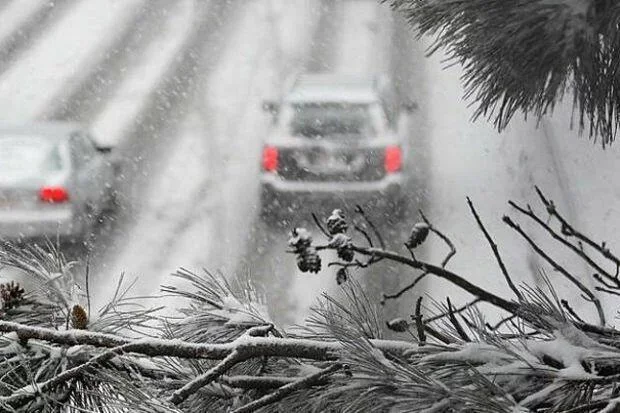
455	279
404	289
559	268
578	251
495	250
320	226
455	311
605	252
444	262
501	322
364	233
444	238
360	211
608	291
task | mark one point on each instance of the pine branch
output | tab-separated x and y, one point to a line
441	273
287	389
248	345
233	358
524	56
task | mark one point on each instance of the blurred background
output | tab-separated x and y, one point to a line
170	96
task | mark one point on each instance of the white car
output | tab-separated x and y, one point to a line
54	182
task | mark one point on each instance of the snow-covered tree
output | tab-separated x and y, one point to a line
525	55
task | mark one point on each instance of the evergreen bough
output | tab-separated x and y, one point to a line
221	352
524	55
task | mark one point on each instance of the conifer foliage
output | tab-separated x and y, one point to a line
524	55
220	351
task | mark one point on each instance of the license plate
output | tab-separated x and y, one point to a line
329	162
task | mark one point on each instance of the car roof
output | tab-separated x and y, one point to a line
48	129
333	88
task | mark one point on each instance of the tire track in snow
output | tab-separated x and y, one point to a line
230	94
406	71
322	55
362	47
148	142
45	72
23	22
81	101
349	33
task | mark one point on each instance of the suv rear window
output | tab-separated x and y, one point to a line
329	119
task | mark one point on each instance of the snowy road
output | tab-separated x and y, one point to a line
177	86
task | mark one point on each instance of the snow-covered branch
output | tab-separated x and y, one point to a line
223	353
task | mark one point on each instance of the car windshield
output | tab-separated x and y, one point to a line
25	158
329	119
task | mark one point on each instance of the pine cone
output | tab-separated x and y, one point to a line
309	261
345	254
300	240
79	318
342	244
307	257
342	276
418	235
11	294
336	223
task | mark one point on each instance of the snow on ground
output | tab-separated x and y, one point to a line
64	55
17	13
169	193
200	205
362	48
125	106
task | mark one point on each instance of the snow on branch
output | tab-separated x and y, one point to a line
221	352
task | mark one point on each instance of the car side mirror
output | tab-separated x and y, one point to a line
409	106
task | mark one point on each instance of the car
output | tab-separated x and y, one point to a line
54	182
334	144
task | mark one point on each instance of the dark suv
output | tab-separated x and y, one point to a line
334	144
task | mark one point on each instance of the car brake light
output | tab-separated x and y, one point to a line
393	159
53	194
270	158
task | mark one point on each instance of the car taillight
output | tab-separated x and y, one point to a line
53	194
393	159
270	158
